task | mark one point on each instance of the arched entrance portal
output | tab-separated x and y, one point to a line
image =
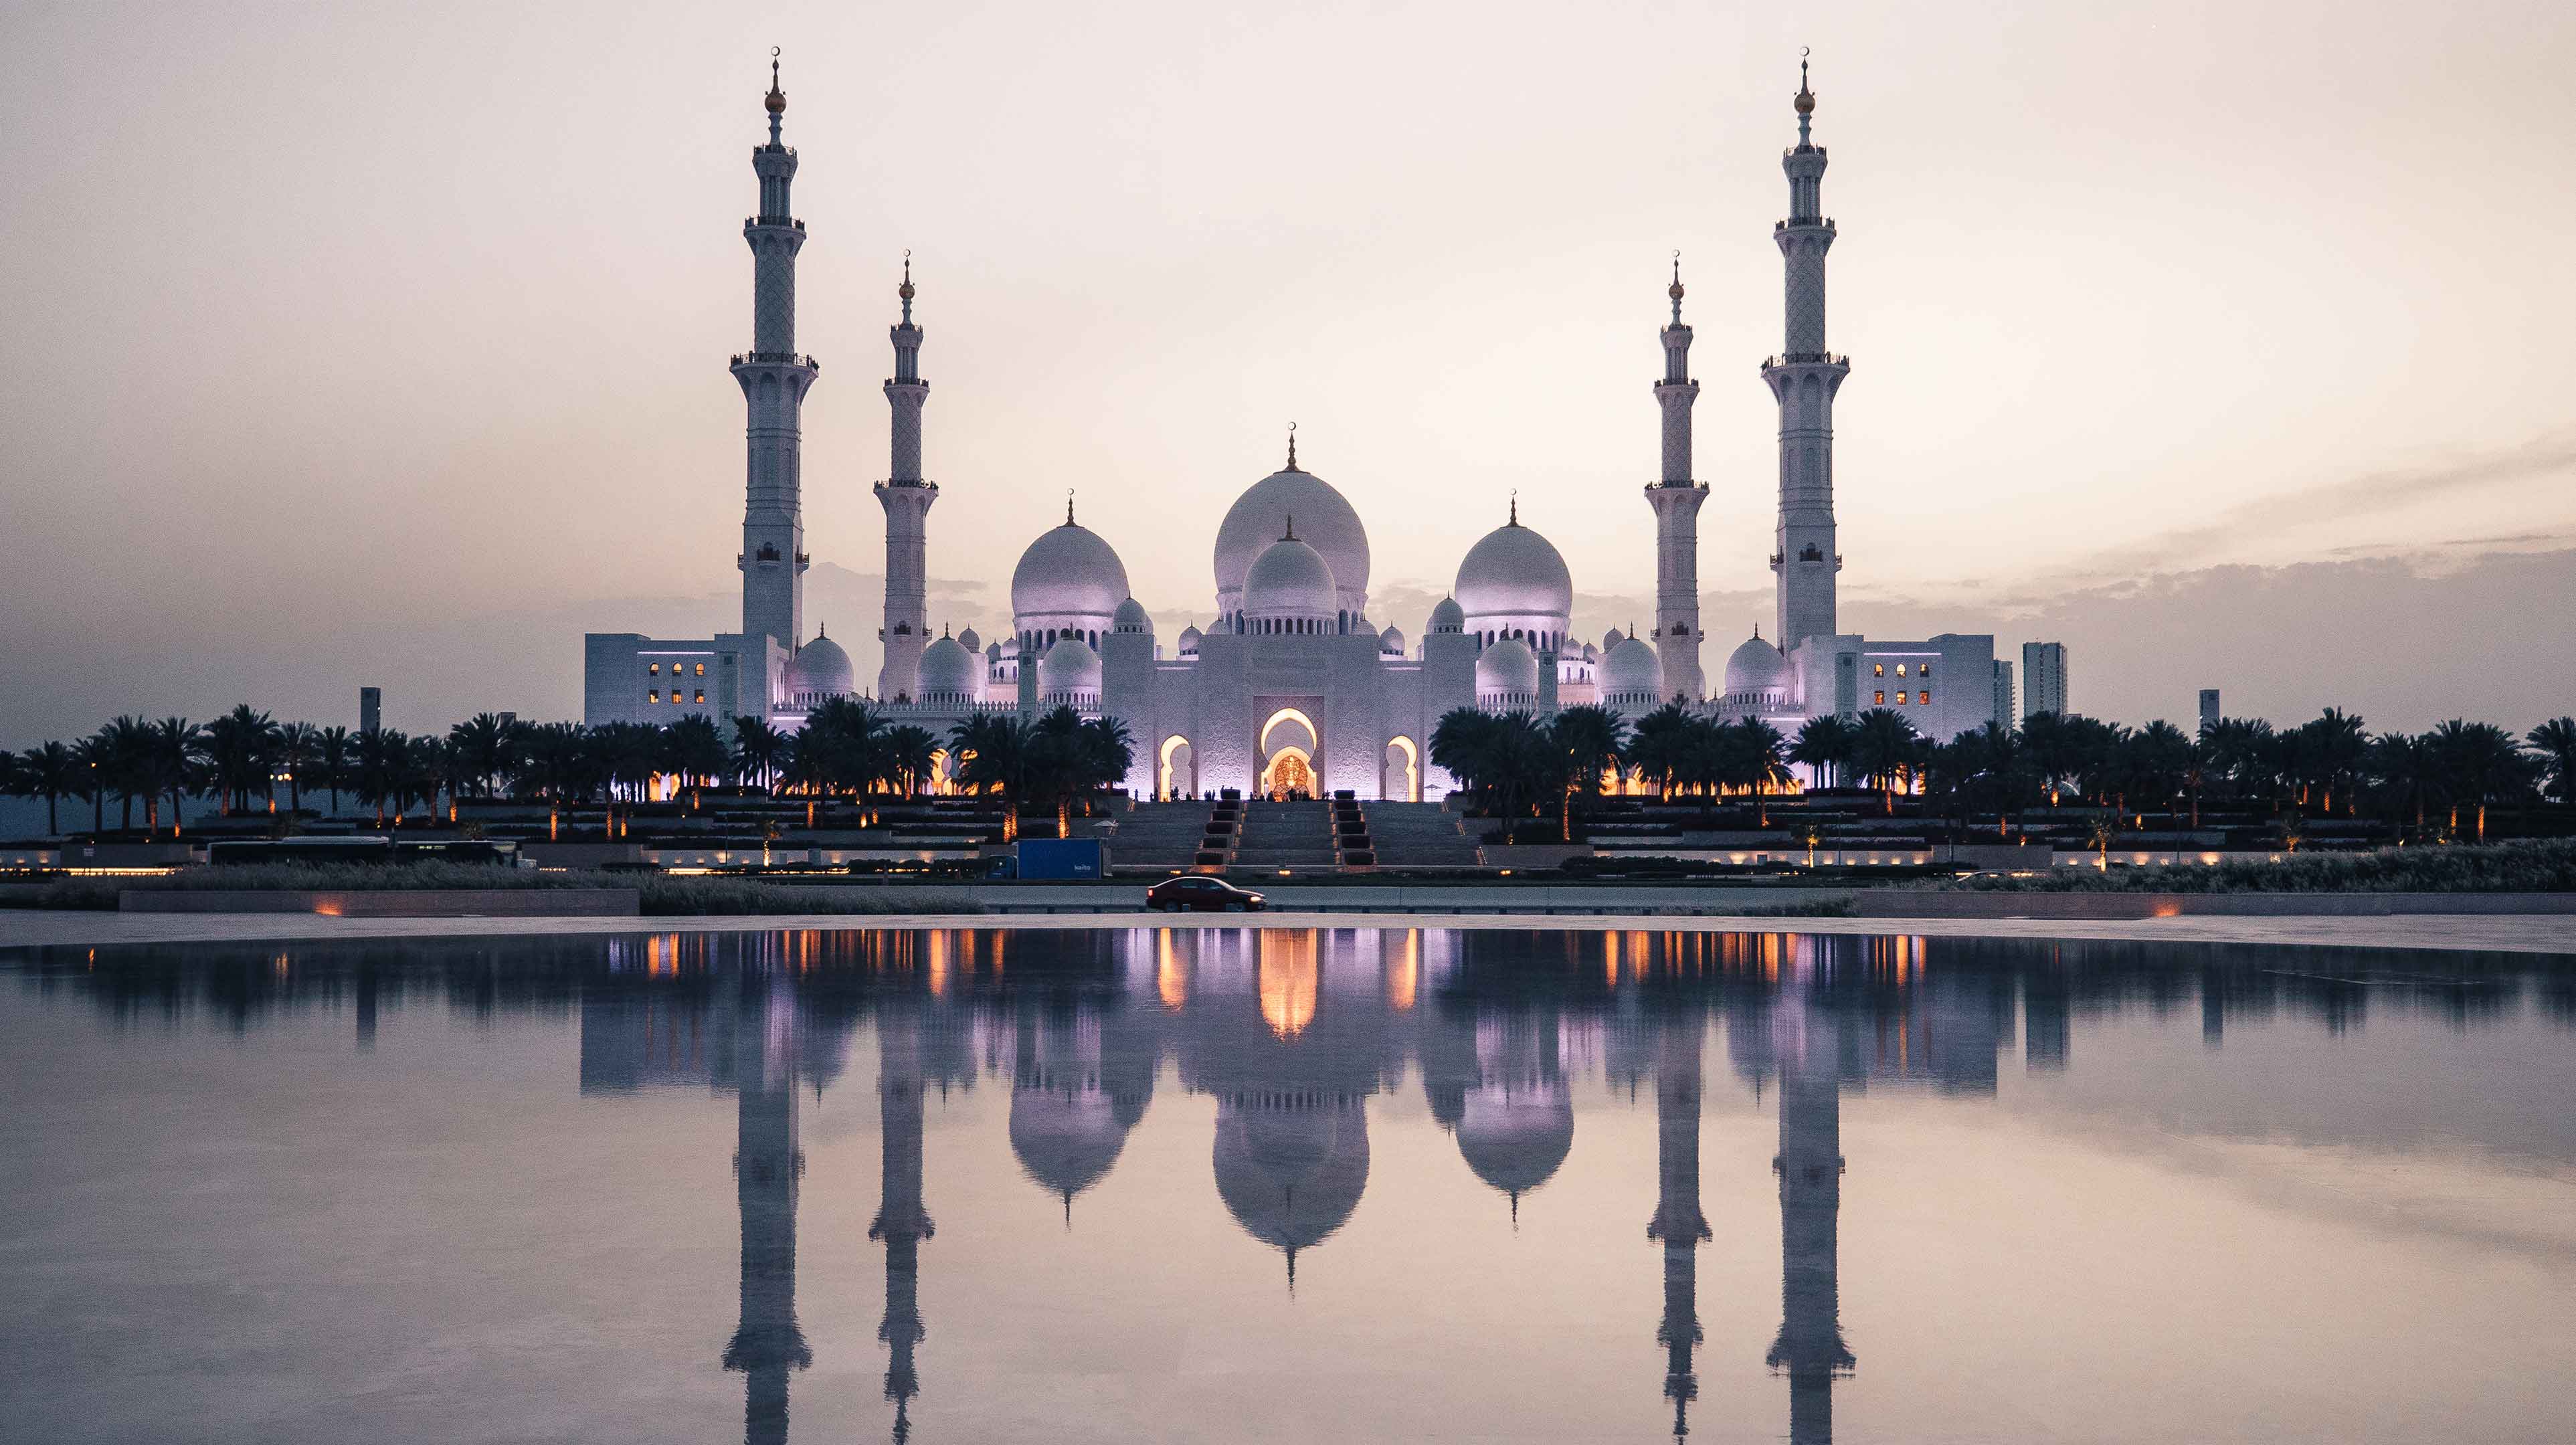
1399	776
1176	769
1290	734
1290	774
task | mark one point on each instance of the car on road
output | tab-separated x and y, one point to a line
1201	892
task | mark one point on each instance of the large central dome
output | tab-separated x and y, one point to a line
1068	573
1324	521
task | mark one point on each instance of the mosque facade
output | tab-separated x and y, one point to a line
1293	685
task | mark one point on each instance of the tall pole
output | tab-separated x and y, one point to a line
901	1222
767	1163
1678	1223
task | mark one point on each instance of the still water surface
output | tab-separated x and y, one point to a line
1284	1185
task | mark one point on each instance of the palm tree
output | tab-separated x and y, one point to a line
95	757
2409	770
2555	741
376	772
1591	738
2484	764
299	750
52	772
992	759
1660	745
1884	745
2054	750
239	750
693	749
418	772
335	751
485	747
2164	761
2338	749
757	749
1824	744
125	759
1990	757
1752	749
172	765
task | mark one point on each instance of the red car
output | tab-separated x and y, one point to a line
1201	892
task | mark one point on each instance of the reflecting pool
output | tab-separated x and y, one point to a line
1284	1185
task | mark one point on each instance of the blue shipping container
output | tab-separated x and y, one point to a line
1063	858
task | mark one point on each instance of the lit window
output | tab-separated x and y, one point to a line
701	696
702	669
1880	698
652	669
1900	669
1878	669
653	694
1924	671
1923	699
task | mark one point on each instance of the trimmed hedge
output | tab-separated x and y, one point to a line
2547	866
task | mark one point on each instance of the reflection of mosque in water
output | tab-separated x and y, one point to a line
1291	1032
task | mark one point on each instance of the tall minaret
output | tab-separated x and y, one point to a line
1676	500
1678	1223
906	498
774	380
1803	378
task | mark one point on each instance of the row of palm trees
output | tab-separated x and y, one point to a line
846	750
2331	766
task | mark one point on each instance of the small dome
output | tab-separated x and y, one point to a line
1130	617
1324	521
1069	667
948	668
1289	579
1591	653
1508	669
1632	669
1513	572
1068	571
1391	642
1755	666
968	640
1610	640
1190	636
1290	1175
1447	617
820	666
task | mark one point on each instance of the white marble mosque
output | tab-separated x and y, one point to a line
1293	684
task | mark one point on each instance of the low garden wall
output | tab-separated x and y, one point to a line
389	902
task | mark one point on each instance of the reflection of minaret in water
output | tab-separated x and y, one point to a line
766	1164
1810	1165
901	1221
1678	1222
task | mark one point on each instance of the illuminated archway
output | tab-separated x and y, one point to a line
942	777
1400	754
1290	714
1289	770
1176	768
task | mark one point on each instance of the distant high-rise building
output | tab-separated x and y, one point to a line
2004	714
2043	677
2209	713
371	709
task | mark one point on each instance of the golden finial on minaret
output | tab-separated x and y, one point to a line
1292	446
777	99
1806	98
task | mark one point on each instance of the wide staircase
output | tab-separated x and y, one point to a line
1296	836
1418	835
1159	835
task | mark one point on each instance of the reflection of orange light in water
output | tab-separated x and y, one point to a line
938	943
1171	974
1289	980
662	954
1404	971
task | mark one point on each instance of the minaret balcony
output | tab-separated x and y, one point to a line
781	222
776	358
1804	358
907	381
1827	222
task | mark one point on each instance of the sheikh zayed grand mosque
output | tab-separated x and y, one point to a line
1293	686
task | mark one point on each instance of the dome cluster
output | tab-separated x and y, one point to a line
1757	675
820	669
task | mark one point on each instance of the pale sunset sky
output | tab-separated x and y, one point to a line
375	344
